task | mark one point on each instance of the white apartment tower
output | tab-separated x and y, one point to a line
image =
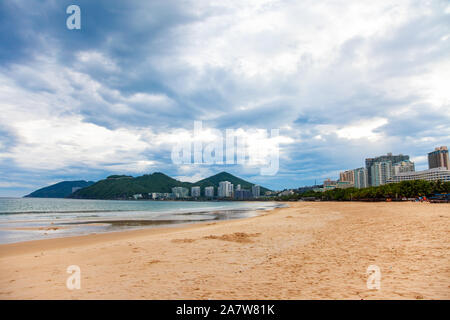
361	178
225	189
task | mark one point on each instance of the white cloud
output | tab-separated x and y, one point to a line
55	143
362	129
96	59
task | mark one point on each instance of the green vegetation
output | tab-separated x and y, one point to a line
59	190
117	176
123	187
405	189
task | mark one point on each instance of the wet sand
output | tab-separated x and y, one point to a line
312	250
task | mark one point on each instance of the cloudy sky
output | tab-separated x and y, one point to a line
341	80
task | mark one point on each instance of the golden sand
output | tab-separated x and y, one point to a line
312	250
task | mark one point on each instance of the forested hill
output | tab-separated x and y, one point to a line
123	187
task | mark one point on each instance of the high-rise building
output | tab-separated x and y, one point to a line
180	192
361	178
388	157
195	192
403	166
380	173
225	189
209	192
438	158
256	191
238	187
347	176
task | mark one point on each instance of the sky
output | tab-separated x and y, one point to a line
341	80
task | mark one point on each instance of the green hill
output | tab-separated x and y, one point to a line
225	176
123	187
59	190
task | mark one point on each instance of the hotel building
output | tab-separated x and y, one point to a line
442	174
370	162
225	189
438	158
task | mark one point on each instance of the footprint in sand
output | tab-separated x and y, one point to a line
240	237
183	240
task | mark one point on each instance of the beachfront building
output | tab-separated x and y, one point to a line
195	192
160	196
242	194
209	192
347	176
439	158
238	187
435	174
361	178
180	192
403	166
256	191
225	189
370	162
380	172
329	184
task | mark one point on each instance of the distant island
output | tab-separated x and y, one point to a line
142	187
60	190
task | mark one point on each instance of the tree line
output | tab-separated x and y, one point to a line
404	189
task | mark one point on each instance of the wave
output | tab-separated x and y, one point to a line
200	210
69	211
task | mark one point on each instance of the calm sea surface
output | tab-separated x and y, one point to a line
23	219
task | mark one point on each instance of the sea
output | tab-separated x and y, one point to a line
26	219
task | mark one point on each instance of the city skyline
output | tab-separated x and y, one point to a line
116	95
390	168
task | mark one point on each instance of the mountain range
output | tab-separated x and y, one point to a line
123	186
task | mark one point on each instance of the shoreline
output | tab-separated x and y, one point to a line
58	224
318	250
17	248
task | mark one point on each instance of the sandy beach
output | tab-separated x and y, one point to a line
311	250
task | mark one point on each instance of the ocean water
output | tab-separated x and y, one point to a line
24	219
